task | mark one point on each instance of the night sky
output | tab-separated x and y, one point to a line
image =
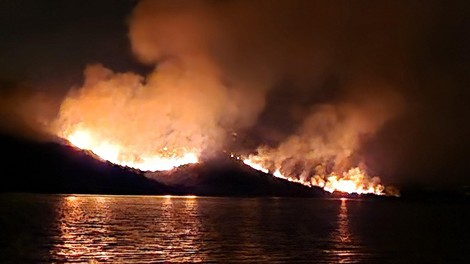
313	53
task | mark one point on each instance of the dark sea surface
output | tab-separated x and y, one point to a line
146	229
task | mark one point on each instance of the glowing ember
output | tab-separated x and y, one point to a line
353	181
117	154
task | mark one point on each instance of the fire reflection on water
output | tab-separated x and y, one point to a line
346	247
343	224
100	229
84	237
148	229
179	237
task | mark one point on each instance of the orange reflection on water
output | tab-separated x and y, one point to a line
112	229
76	239
344	249
179	230
344	235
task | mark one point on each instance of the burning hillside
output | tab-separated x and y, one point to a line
323	152
354	180
115	153
195	101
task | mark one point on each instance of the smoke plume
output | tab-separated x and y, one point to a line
328	142
168	77
184	105
215	64
307	82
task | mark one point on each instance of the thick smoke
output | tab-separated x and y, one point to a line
305	72
237	75
183	105
188	35
329	139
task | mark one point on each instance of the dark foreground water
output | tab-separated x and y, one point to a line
143	229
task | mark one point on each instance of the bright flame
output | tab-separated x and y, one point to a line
81	139
354	180
117	154
256	166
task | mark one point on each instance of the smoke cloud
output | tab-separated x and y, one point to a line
338	83
217	64
184	105
329	139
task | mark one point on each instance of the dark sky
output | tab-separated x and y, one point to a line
426	55
52	41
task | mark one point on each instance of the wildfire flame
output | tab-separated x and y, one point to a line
355	180
117	154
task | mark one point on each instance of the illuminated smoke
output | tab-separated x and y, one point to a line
324	150
215	62
182	109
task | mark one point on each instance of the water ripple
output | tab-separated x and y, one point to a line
146	229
